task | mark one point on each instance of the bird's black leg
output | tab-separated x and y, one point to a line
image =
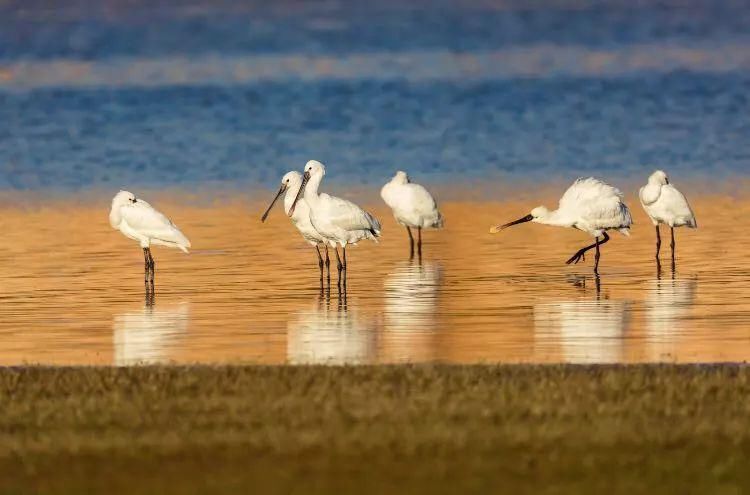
581	253
658	242
152	265
671	244
343	249
596	257
419	242
146	267
328	267
658	248
411	244
320	264
339	266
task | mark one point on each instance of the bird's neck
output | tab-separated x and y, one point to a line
311	189
556	218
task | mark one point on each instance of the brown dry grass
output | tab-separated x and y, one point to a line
415	429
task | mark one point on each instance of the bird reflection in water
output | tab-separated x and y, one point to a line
668	301
327	334
146	336
586	331
411	301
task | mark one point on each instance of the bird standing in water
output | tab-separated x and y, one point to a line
339	221
413	207
291	184
589	205
140	221
664	204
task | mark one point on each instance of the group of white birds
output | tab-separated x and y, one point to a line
589	205
334	222
595	207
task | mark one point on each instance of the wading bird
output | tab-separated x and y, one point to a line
589	205
339	221
665	204
291	184
139	221
413	207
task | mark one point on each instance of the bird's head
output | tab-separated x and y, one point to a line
658	177
291	180
536	214
313	168
539	212
123	198
401	177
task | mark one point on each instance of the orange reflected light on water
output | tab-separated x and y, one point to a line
72	291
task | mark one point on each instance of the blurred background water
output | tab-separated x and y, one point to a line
117	94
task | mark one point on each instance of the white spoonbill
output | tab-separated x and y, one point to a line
291	184
665	204
339	221
139	221
589	205
413	207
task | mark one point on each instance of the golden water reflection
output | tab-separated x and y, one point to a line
146	336
71	291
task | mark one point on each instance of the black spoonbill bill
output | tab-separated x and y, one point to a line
339	221
291	184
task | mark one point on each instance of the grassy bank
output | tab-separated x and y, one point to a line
428	429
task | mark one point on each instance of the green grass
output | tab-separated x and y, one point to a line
413	429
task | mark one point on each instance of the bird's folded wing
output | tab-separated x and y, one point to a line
676	203
421	199
348	216
143	218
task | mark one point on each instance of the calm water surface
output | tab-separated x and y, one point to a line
249	293
220	99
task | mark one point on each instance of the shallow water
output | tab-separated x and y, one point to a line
514	100
249	292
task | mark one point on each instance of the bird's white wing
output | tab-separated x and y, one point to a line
145	219
348	216
596	202
421	198
649	194
676	204
424	205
